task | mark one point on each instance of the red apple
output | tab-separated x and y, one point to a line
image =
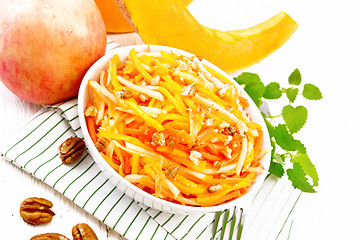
46	46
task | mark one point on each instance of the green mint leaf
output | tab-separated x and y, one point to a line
273	144
298	178
286	141
295	118
254	86
291	93
307	166
295	77
272	91
273	148
276	169
311	92
300	147
270	128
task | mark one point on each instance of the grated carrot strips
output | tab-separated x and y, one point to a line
173	100
138	66
135	164
148	119
169	58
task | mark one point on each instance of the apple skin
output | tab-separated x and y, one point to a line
46	47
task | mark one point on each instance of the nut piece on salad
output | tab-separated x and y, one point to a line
71	149
36	210
102	144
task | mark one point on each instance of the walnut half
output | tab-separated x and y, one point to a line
36	210
49	236
71	149
83	231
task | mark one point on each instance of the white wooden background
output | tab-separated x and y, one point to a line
326	50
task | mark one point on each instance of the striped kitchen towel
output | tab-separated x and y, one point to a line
35	149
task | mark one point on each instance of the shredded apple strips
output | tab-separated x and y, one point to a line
175	128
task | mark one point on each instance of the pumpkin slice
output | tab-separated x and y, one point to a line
186	2
169	23
114	20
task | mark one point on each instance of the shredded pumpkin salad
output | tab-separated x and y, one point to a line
175	128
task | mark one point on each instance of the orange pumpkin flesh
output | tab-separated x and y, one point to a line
169	23
114	20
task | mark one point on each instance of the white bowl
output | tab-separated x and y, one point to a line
131	190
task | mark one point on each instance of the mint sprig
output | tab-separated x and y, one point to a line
288	153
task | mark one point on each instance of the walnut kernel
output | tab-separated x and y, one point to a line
213	188
36	210
172	171
124	94
102	144
71	149
49	236
158	139
83	231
